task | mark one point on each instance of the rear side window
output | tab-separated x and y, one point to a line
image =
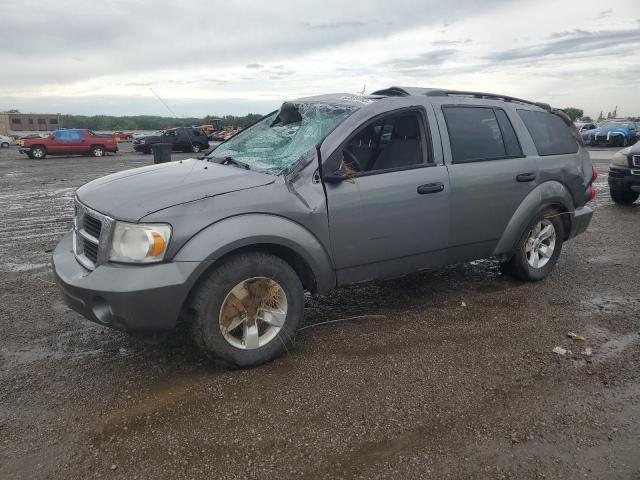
480	133
549	133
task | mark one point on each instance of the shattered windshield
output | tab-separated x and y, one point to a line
279	141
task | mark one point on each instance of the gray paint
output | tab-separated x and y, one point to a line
373	226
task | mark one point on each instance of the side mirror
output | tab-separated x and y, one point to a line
335	177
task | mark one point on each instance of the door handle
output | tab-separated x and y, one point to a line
526	177
430	188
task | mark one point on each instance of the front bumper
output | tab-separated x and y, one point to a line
142	299
580	221
141	147
624	179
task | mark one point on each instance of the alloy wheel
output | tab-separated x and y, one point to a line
253	313
540	244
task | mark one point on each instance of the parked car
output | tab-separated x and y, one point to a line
612	134
73	141
585	126
120	136
624	175
223	135
6	141
20	140
186	139
325	192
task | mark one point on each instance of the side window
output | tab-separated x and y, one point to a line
549	133
391	142
480	133
511	144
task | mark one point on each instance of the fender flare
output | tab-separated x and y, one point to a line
247	230
544	195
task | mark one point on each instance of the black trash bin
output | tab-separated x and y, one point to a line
161	152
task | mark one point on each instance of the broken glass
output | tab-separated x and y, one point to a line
278	142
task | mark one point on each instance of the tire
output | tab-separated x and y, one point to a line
97	151
38	152
522	263
196	148
215	306
623	197
4	145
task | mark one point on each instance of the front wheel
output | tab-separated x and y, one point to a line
97	151
4	145
247	310
539	248
624	197
38	152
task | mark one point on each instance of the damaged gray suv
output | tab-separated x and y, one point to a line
327	191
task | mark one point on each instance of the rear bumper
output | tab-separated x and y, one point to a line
142	299
624	179
580	221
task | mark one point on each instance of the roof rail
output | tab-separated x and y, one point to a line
506	98
392	92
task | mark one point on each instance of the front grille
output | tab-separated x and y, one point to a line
91	235
635	161
90	250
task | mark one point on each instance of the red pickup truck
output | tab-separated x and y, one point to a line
73	141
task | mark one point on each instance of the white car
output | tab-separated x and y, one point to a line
6	141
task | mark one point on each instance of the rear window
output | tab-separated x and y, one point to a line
550	134
480	133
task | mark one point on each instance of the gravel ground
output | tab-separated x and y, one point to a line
448	374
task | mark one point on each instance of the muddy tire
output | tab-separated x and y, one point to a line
538	249
624	197
38	152
246	311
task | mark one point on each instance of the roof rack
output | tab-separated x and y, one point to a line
439	92
493	96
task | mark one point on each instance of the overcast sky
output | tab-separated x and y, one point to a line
243	56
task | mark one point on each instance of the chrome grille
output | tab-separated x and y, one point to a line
91	236
635	160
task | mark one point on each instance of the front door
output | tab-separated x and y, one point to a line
391	215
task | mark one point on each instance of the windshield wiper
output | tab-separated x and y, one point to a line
237	163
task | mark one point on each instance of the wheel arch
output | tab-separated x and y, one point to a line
550	194
260	232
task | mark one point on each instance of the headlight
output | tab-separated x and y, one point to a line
620	159
139	242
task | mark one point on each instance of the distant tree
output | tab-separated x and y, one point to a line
586	119
13	110
574	113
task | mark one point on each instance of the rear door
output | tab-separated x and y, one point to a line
489	174
391	216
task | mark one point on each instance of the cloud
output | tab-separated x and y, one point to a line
433	57
334	24
604	14
450	43
574	42
255	66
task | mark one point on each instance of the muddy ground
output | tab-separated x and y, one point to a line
448	374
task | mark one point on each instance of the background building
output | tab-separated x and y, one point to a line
17	123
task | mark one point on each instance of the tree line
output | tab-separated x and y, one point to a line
150	122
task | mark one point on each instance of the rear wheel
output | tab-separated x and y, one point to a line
97	151
624	197
4	145
38	152
196	148
538	249
248	309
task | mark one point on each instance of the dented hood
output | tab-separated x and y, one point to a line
132	194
